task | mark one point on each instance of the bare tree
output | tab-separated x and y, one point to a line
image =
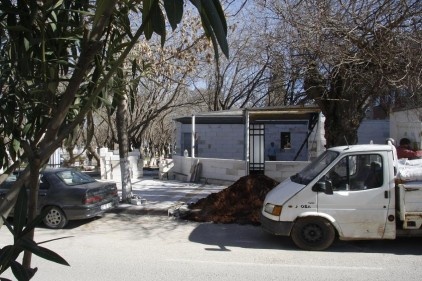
158	82
352	54
243	79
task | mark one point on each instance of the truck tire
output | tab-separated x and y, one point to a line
55	218
313	234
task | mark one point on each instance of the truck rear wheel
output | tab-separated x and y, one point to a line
313	234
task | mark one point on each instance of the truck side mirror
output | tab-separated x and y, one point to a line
323	186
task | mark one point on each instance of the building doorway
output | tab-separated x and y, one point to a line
256	149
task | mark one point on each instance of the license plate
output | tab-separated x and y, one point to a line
106	206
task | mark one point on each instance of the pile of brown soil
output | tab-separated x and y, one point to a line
239	203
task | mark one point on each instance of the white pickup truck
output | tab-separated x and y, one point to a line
351	192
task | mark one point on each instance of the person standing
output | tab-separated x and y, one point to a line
272	152
404	150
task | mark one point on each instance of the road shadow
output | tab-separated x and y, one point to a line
73	224
220	237
399	246
70	225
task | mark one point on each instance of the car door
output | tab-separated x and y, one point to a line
359	203
43	192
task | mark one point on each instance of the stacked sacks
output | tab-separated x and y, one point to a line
409	170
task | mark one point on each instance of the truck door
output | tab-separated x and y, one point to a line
358	204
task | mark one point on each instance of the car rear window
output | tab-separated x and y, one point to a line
10	180
74	177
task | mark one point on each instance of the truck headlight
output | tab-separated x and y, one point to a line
272	209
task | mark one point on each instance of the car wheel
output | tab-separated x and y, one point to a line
55	218
313	234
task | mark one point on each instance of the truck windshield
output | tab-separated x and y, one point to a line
315	168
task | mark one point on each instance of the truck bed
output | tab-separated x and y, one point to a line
409	204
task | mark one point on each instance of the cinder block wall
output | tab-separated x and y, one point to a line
298	132
221	141
225	141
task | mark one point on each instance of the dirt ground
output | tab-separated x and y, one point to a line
239	203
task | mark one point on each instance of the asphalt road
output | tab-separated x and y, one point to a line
149	247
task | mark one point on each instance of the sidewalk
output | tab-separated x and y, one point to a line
164	197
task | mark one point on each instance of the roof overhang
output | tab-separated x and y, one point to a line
256	115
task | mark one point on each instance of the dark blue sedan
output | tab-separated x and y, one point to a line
72	195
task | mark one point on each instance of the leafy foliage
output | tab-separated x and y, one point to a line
53	72
54	69
20	230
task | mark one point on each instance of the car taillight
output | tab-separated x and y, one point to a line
91	199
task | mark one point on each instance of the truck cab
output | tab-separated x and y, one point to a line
347	192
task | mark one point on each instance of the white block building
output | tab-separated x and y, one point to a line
231	144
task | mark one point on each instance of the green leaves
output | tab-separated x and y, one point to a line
19	271
174	11
42	252
212	17
153	20
158	22
20	229
102	6
214	23
147	17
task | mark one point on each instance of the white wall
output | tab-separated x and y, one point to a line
110	165
407	124
376	130
373	130
224	171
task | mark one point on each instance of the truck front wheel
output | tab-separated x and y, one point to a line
313	234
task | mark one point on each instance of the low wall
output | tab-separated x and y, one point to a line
214	171
110	165
224	171
217	171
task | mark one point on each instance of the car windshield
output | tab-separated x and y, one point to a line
73	177
315	168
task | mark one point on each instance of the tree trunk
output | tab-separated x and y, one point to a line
342	105
35	165
90	131
71	161
123	140
94	154
339	131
